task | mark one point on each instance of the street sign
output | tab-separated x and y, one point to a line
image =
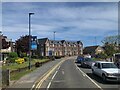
34	43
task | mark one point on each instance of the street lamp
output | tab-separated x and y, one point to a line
30	39
54	44
0	45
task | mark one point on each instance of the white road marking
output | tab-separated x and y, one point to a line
49	85
51	80
89	77
33	86
54	75
58	67
63	72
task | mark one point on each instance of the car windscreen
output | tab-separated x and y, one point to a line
88	59
108	65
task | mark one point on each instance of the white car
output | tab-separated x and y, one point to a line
107	70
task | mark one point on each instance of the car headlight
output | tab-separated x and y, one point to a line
109	74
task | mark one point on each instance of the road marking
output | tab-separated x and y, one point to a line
46	75
63	72
54	75
58	67
89	77
33	86
51	80
49	85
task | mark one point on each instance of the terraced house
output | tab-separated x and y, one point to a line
48	47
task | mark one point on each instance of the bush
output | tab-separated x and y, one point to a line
58	57
35	56
44	57
37	64
20	60
26	59
23	55
13	55
11	60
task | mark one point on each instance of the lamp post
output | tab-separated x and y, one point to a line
54	44
30	39
0	46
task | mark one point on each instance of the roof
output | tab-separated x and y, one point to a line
90	49
103	62
42	41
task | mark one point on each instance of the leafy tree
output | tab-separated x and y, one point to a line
111	45
102	55
110	49
22	45
110	40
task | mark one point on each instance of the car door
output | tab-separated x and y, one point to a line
99	69
95	68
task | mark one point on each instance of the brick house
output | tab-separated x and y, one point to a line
93	50
48	47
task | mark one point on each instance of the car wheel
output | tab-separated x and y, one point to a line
104	78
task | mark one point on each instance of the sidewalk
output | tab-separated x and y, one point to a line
28	80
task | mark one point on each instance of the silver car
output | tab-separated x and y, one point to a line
108	71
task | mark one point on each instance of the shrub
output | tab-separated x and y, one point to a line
20	60
13	55
23	55
26	59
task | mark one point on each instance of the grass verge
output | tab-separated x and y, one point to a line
17	76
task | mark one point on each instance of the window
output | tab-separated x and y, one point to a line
96	65
108	65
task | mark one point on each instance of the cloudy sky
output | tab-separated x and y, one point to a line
89	22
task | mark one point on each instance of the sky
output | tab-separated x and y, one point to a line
89	22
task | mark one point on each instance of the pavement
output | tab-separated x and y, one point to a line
27	81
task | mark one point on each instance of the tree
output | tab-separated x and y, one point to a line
22	45
111	45
110	40
110	49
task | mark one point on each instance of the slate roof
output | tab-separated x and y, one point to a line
90	49
42	40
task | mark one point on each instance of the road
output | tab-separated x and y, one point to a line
69	75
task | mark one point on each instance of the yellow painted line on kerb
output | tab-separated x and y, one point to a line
45	76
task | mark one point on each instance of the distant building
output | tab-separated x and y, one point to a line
6	47
93	50
48	47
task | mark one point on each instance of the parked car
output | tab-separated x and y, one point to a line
87	62
79	59
108	71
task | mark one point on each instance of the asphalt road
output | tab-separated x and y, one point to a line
69	75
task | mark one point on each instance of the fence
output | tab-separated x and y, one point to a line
6	73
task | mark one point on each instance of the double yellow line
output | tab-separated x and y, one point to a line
40	81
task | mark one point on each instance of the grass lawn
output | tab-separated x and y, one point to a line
15	66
